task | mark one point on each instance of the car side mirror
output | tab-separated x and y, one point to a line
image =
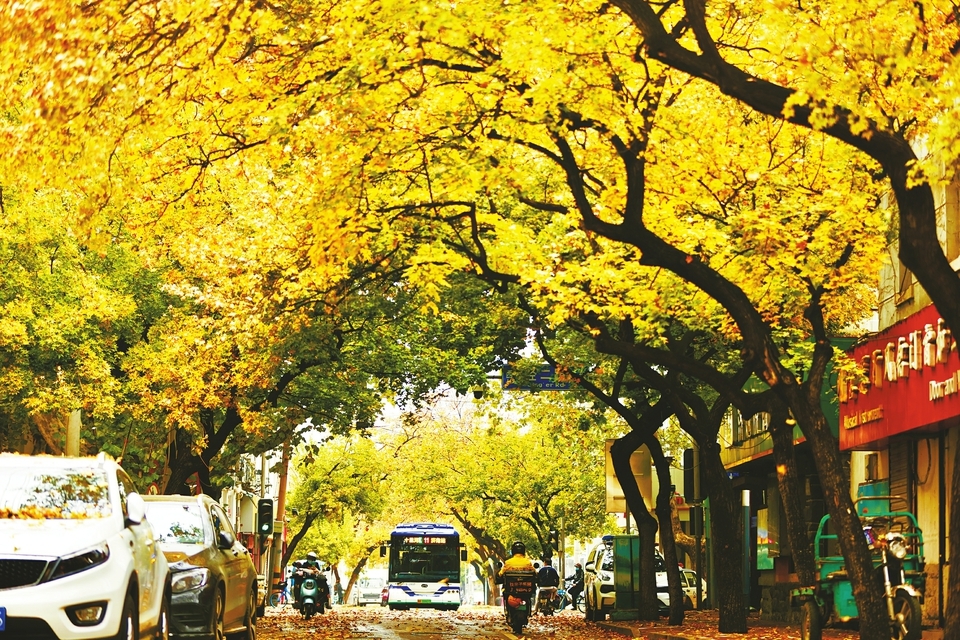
589	567
136	509
225	540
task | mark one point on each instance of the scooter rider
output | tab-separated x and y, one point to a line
310	566
548	579
573	593
519	560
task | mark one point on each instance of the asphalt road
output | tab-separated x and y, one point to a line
378	623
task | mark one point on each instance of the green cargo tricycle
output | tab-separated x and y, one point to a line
897	545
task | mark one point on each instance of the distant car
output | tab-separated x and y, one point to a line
688	584
688	579
77	557
369	591
213	580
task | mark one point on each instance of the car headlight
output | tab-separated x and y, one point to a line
897	545
187	580
605	577
82	561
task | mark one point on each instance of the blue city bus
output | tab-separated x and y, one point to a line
424	567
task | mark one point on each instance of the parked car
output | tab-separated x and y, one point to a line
598	592
369	591
213	580
77	557
688	579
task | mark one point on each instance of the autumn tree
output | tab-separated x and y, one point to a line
873	76
513	471
336	496
564	148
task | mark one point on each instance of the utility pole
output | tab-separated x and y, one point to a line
73	433
281	518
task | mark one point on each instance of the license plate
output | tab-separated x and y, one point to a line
424	601
3	619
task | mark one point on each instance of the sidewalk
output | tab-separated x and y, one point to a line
702	625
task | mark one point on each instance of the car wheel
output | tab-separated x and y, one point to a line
216	619
249	620
129	620
590	614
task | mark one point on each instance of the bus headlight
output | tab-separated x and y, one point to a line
897	545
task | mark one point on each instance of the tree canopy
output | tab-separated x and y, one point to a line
269	212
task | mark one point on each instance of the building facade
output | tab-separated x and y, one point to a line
900	408
900	419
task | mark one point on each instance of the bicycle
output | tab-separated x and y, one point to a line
579	605
279	598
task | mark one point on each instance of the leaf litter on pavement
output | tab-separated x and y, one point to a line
361	623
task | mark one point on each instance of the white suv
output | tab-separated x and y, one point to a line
599	593
77	557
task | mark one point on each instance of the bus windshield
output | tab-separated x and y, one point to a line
427	558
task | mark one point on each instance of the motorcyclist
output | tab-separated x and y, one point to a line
518	561
520	590
310	566
547	580
573	593
548	576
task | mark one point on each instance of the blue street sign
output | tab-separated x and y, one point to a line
545	380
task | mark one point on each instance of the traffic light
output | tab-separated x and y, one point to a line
690	493
265	516
553	542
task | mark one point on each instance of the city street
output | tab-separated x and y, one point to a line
379	623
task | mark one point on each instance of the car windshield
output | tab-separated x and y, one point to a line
176	523
659	563
54	494
607	563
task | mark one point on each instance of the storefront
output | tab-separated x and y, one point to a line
899	417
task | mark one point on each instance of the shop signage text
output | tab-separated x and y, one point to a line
940	390
913	352
863	417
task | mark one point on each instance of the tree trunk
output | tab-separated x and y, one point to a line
792	495
951	629
184	463
308	521
667	546
726	528
355	573
687	543
620	454
488	548
836	492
